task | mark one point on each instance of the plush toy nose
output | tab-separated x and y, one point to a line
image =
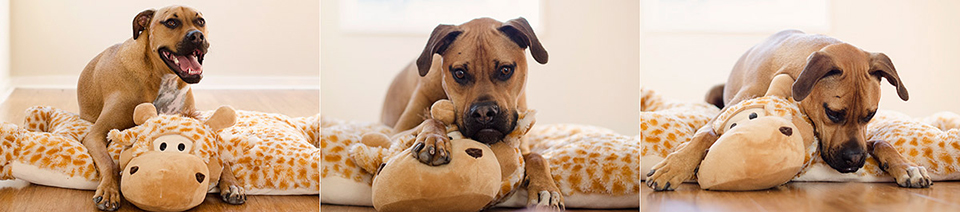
200	177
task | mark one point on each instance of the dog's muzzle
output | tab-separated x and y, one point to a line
187	60
486	122
849	158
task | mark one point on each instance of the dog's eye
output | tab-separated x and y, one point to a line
460	75
834	116
505	73
200	22
171	23
868	117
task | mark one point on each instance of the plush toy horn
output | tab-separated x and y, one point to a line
781	85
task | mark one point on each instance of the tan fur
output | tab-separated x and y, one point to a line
481	47
856	90
125	75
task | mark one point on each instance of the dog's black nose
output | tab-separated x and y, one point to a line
853	157
195	37
484	112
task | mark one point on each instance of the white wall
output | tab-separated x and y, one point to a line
921	37
254	44
591	77
5	87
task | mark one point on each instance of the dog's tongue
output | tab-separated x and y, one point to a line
189	64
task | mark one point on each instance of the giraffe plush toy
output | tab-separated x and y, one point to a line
270	153
926	143
593	167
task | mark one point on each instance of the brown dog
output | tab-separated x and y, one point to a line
155	65
838	87
483	72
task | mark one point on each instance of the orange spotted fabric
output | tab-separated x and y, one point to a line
273	153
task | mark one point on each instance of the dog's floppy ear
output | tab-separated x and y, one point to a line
521	33
441	38
819	65
141	21
881	66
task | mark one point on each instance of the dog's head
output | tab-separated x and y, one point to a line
176	38
839	90
484	70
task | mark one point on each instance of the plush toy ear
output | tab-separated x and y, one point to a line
782	86
143	112
442	110
224	117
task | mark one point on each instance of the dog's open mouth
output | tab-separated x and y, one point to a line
187	65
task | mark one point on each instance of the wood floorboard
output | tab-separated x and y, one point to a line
293	103
807	196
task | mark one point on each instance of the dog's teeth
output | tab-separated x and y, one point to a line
175	60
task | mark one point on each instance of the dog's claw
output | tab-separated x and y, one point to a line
915	177
107	197
546	201
432	145
669	173
235	195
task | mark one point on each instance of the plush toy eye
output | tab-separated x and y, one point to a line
753	115
181	147
134	169
163	146
200	177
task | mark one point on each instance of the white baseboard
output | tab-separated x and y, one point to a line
208	82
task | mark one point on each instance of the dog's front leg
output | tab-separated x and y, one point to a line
230	190
115	115
681	164
542	190
907	173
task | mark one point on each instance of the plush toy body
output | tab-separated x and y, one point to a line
594	167
48	152
932	142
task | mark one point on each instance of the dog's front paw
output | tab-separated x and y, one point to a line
912	177
432	146
670	173
545	200
107	196
234	195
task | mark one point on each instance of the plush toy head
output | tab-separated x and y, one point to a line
169	165
468	183
762	143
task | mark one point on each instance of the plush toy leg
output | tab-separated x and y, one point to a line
51	154
56	121
54	160
9	134
679	166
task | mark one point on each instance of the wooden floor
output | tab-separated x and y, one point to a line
42	198
341	208
942	196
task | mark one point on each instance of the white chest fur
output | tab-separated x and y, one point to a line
170	98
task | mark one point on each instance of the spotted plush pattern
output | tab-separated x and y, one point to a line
932	142
336	136
589	159
665	124
272	153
